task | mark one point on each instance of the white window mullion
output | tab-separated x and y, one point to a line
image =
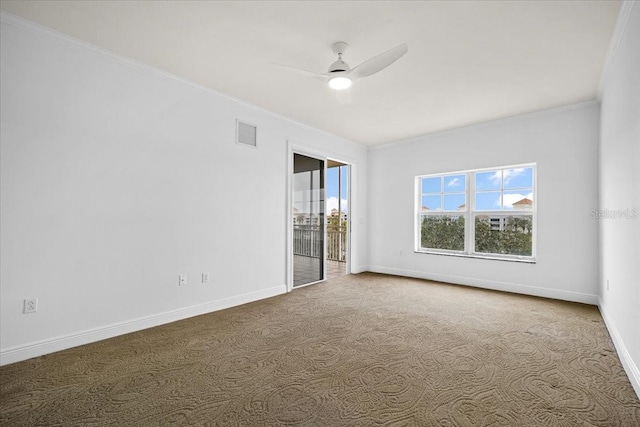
470	229
418	220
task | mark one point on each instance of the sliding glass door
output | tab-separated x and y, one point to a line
337	207
308	220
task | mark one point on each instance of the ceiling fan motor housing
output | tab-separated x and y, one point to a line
339	66
339	48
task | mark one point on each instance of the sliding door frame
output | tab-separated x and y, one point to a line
349	222
296	148
304	151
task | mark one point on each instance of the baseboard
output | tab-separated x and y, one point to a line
491	284
359	269
627	362
35	349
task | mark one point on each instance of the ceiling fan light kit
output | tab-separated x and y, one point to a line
340	83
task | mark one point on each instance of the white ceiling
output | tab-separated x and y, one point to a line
468	62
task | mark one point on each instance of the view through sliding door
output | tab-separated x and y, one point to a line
337	224
308	219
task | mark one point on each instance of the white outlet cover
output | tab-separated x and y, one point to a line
30	305
205	277
182	279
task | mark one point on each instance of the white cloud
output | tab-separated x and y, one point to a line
509	199
332	203
453	182
509	174
496	177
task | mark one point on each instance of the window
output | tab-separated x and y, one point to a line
487	213
442	199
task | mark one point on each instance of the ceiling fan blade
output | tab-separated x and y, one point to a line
301	72
379	62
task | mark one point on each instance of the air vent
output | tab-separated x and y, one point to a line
245	134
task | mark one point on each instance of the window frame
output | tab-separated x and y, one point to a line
470	214
441	212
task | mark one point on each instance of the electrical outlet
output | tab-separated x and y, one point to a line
182	280
205	278
607	284
30	305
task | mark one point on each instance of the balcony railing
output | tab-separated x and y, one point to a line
337	243
307	241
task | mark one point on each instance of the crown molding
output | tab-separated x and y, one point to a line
33	27
488	124
616	37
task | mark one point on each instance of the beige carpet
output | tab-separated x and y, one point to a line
361	350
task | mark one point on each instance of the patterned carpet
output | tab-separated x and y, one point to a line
360	350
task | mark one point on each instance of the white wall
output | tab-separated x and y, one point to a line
620	191
116	178
563	142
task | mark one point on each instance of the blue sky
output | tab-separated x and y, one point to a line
510	185
332	188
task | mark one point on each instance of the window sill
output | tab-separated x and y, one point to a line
478	256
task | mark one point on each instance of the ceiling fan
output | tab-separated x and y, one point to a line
340	76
